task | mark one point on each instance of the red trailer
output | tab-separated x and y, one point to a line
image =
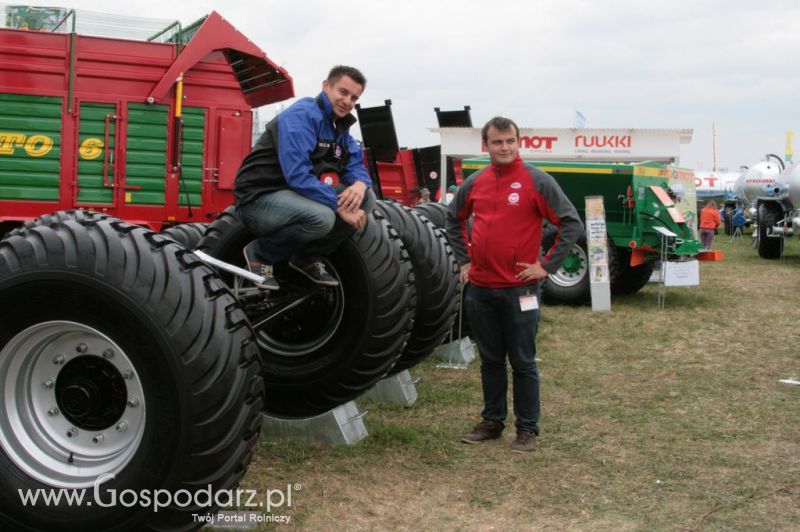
150	132
399	173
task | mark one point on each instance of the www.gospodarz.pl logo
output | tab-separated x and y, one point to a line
156	499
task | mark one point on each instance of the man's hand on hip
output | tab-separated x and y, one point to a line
352	197
531	272
464	273
356	218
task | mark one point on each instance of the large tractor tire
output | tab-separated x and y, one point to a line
627	279
570	284
435	212
769	247
56	218
126	364
188	235
324	346
436	279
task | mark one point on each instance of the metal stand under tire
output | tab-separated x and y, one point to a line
343	425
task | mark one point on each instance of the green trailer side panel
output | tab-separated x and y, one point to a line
579	180
92	153
146	159
613	182
194	122
30	147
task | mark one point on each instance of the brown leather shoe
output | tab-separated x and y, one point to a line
525	441
485	430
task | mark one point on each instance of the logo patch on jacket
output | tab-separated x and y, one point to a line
513	198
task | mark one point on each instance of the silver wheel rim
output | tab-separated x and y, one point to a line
42	439
565	278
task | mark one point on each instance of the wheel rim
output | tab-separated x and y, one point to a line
308	325
73	404
573	269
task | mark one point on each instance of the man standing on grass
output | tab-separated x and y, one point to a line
509	201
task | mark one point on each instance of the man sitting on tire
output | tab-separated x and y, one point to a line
508	201
285	189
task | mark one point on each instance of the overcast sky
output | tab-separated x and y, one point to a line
622	63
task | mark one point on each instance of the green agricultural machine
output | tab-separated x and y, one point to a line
641	200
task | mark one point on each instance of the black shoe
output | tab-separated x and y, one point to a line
485	430
315	272
525	441
264	270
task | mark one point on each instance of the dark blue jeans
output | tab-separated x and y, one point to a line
289	225
501	328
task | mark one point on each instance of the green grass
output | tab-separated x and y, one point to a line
653	419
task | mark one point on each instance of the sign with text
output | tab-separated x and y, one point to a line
575	144
597	253
682	273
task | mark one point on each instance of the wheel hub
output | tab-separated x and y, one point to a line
91	392
304	320
73	406
574	268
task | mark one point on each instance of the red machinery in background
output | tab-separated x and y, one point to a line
150	132
399	173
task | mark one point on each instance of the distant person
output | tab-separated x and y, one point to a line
283	189
709	221
424	196
451	193
504	269
739	221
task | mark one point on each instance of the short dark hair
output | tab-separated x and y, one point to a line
355	74
500	123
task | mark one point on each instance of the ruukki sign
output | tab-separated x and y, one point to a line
622	142
626	145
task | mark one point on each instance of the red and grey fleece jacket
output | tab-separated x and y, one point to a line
508	204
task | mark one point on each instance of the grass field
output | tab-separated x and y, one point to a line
669	419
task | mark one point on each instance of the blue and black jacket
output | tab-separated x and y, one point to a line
297	148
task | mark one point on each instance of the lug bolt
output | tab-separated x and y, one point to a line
47	384
122	426
71	433
52	412
127	374
98	438
58	360
108	353
81	348
133	402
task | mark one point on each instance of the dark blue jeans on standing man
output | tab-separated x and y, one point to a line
501	328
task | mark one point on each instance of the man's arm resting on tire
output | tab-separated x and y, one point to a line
355	176
357	218
352	197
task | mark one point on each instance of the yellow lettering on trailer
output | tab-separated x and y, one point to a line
91	148
9	140
38	145
34	146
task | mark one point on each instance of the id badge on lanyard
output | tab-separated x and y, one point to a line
528	300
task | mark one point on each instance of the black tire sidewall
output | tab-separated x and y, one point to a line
111	312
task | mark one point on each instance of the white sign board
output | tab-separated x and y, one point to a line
576	144
684	273
597	247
